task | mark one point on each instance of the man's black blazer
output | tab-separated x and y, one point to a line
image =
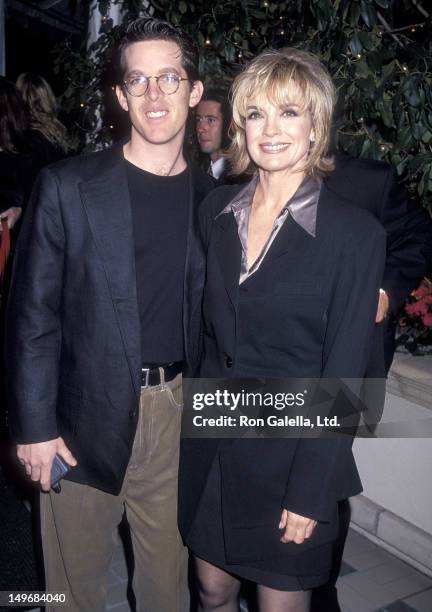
373	185
73	338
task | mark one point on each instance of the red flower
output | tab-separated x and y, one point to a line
427	319
421	292
417	308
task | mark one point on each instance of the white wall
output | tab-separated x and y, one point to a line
397	472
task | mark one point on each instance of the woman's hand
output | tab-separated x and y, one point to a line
297	528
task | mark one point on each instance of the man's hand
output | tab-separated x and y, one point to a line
297	528
37	459
383	307
12	215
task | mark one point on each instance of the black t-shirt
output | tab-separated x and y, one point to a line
160	221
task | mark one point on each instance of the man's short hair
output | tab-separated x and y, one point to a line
148	28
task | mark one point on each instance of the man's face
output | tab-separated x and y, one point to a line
158	118
209	126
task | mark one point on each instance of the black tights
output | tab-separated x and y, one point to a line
219	591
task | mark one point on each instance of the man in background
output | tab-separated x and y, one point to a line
213	118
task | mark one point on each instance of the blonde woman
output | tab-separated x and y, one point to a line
48	137
292	285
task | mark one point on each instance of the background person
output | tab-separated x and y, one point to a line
213	118
48	139
17	171
293	272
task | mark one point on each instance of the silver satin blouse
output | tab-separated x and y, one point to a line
302	207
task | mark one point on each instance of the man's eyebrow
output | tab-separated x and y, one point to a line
168	70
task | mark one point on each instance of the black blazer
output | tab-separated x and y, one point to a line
307	312
73	340
373	186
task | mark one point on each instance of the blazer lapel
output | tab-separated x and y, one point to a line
107	204
228	249
291	231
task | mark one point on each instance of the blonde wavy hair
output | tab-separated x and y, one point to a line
42	107
280	77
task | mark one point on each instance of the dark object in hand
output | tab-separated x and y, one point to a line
59	469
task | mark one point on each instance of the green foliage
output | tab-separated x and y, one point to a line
378	51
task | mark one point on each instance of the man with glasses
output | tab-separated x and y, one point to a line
99	313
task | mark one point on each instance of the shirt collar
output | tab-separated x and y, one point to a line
302	207
217	167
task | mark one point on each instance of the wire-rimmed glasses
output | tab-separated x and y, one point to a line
137	84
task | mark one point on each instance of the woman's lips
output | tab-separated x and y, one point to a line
274	148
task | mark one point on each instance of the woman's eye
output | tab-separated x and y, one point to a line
254	115
289	112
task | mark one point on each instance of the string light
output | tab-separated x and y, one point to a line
382	147
361	120
266	4
405	68
82	105
282	32
413	29
111	127
207	42
359	55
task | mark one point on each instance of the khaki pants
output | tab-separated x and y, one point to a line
79	525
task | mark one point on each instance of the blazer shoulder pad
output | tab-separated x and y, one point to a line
217	199
86	165
358	166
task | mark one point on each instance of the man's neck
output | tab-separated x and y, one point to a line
216	155
162	159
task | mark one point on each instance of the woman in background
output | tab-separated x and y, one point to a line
292	282
48	139
17	169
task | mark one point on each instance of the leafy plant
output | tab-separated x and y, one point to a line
378	51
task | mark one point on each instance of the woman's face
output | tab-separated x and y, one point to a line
278	137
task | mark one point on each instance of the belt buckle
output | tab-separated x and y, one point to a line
147	376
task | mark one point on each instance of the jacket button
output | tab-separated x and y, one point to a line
228	362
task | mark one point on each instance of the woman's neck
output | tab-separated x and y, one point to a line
275	189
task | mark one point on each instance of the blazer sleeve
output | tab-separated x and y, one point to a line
323	470
33	327
409	242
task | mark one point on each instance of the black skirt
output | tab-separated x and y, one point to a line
206	541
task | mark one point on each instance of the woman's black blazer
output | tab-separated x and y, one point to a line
308	312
